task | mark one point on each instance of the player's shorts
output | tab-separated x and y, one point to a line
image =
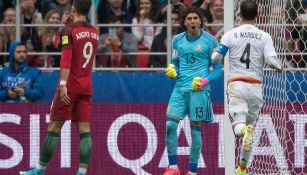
244	101
79	109
196	104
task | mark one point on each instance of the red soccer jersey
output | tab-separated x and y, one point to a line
80	41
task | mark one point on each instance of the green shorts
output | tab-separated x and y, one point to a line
195	104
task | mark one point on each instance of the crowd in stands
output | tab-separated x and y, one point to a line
117	42
114	50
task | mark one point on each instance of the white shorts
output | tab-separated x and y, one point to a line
244	102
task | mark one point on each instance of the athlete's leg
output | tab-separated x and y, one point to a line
50	142
85	148
59	113
81	114
196	146
238	110
176	111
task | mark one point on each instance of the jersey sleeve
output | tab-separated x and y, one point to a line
226	39
66	37
175	57
269	50
66	55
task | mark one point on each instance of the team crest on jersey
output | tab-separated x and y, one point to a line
198	48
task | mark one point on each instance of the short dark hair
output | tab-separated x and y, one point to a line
249	9
22	44
189	10
82	7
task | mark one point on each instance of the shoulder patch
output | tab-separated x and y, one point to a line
64	39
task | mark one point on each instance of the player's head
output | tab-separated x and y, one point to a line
192	19
249	10
82	7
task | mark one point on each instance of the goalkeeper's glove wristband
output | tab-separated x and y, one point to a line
199	83
171	71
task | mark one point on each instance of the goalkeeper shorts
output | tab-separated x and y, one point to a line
195	104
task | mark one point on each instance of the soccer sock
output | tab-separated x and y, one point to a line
49	147
174	167
40	167
85	149
195	147
243	164
82	170
172	140
244	156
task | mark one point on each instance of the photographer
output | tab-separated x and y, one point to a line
18	81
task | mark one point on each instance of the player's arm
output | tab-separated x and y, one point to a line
219	53
270	54
198	83
217	71
65	65
274	63
173	68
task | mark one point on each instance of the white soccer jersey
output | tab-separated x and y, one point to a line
248	47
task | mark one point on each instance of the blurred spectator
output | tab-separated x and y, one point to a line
113	8
50	38
217	14
59	5
207	21
30	34
145	15
296	36
131	5
159	42
202	4
204	7
117	41
5	5
176	4
18	81
65	14
7	34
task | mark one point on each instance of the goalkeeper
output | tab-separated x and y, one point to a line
248	48
191	62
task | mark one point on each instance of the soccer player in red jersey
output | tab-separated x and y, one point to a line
73	96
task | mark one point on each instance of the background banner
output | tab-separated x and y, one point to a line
129	139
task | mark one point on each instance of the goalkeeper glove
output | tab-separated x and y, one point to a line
171	71
199	83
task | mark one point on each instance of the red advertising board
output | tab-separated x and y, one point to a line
128	139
